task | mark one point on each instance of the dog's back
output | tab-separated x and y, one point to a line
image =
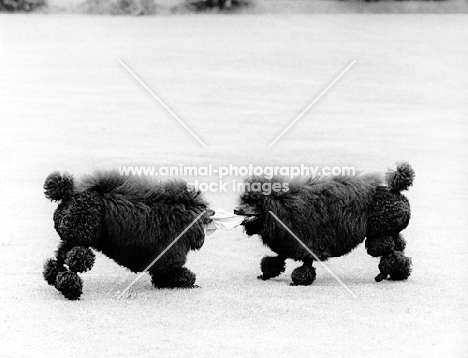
142	217
340	207
327	213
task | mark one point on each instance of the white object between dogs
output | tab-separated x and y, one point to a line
223	220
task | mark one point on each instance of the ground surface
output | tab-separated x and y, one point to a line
237	81
298	6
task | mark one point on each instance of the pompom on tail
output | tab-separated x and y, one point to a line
58	187
401	178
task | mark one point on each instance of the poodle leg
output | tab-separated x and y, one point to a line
400	243
67	281
61	253
396	265
393	262
381	276
181	277
53	266
69	284
303	275
80	259
271	267
51	270
380	245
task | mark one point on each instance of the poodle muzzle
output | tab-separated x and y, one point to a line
250	212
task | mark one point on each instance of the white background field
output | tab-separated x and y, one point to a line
237	82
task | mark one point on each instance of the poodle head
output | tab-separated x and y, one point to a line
207	216
254	218
256	201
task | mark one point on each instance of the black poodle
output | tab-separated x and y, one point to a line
131	220
331	216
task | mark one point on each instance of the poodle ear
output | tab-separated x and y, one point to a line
58	187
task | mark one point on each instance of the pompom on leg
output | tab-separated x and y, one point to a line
80	259
69	284
178	278
271	267
380	246
396	265
304	275
400	243
61	253
51	270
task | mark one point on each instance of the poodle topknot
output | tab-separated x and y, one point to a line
131	220
331	216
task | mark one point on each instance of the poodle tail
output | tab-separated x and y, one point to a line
401	178
59	187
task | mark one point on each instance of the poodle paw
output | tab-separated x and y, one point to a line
380	277
51	270
396	265
180	278
69	284
303	275
271	267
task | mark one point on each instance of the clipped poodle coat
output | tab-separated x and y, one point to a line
331	216
131	220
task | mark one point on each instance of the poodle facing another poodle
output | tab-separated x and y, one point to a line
131	220
331	216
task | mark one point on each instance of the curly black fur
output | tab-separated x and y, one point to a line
80	259
389	214
58	187
400	179
51	269
181	277
383	245
380	246
69	284
303	275
399	243
272	267
61	252
328	214
396	265
331	216
131	220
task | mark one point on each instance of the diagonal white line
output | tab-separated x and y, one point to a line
160	255
314	101
315	256
162	103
